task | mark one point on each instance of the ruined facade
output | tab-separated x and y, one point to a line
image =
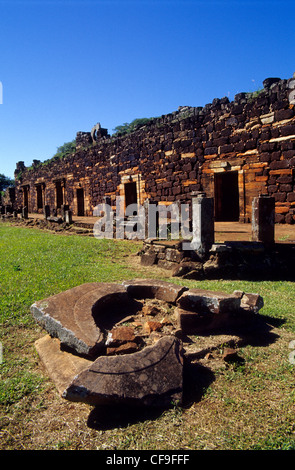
233	151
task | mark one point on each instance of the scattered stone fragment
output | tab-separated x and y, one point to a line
152	376
120	335
150	326
150	310
125	348
229	354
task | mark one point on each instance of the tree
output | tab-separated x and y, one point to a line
126	128
5	182
66	149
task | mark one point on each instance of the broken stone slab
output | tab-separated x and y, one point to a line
71	315
150	377
203	301
150	288
62	366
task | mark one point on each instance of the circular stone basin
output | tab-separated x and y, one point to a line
107	318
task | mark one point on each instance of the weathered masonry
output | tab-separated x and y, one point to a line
232	151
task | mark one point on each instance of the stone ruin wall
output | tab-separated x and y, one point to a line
179	153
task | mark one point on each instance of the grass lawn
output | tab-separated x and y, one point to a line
245	406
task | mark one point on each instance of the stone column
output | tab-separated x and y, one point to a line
151	216
263	219
46	211
25	214
202	222
68	217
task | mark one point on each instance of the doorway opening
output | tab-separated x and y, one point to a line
130	190
226	195
80	202
39	196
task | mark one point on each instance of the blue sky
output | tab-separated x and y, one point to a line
66	65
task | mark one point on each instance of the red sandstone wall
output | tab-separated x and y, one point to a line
183	152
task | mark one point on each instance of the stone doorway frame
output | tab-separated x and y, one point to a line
208	183
129	176
85	187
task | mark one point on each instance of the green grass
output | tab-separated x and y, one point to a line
35	265
246	406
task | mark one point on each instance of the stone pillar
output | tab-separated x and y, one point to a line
64	208
146	217
202	222
46	211
25	214
263	219
108	207
151	217
68	217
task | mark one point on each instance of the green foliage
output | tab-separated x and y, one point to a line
252	95
126	128
66	149
5	182
62	152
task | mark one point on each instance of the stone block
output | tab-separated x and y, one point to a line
186	267
203	301
148	259
174	255
192	322
263	219
252	302
164	264
283	114
150	377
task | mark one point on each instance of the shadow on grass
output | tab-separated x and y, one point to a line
104	418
